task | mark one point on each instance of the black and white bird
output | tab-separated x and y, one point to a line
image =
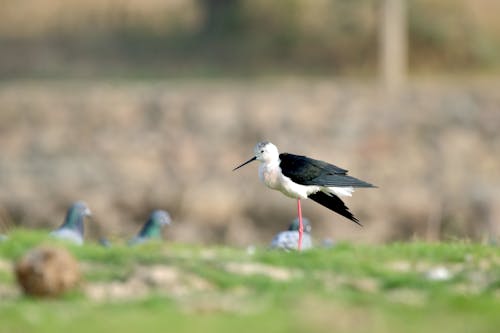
301	177
289	239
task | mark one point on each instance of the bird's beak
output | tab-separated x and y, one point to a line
250	160
87	212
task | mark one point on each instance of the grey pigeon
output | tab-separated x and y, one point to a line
72	227
289	240
152	227
103	241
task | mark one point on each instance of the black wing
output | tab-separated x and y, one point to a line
307	171
334	203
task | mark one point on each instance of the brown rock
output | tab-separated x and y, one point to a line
47	271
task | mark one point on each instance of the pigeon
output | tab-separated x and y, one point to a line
152	227
104	242
72	227
289	240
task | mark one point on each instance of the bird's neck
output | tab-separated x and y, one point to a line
150	230
273	160
271	165
74	221
269	173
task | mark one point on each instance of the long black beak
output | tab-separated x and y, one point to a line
250	160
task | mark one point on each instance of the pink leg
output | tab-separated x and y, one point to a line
301	227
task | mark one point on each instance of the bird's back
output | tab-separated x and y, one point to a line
289	240
308	171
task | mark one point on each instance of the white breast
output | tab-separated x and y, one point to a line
289	240
69	235
272	177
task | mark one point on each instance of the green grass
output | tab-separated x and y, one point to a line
348	288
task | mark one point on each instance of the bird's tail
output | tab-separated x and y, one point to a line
333	202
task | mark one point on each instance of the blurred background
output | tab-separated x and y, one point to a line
133	105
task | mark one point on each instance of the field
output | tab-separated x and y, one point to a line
400	287
133	106
127	147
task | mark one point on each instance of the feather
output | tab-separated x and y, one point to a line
333	203
307	171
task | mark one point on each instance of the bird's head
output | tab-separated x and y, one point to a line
75	215
266	152
263	151
160	217
80	208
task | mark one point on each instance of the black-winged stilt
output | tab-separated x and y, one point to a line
301	177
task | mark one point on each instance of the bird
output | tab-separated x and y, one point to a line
289	239
104	242
72	227
302	177
152	227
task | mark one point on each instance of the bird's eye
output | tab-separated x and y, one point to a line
262	151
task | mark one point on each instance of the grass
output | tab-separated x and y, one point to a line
347	288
